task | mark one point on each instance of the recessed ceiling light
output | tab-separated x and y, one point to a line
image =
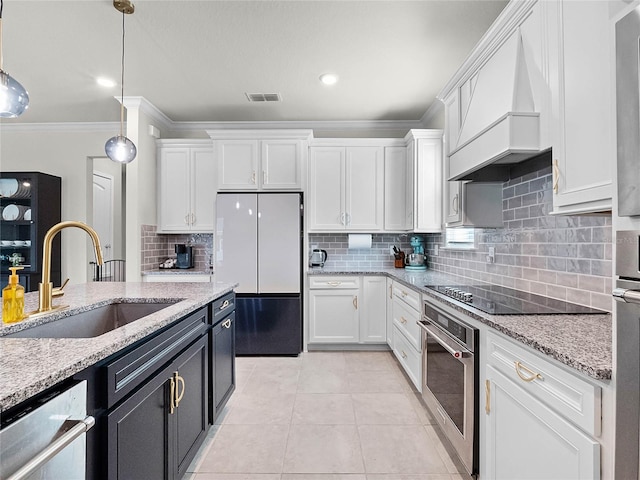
105	82
329	78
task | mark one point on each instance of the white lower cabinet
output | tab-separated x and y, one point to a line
346	309
373	310
406	337
539	418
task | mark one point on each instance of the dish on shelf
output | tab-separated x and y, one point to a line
6	243
19	243
27	243
13	212
24	191
27	214
8	187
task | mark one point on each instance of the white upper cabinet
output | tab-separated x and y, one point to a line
398	190
186	186
580	61
425	151
540	79
261	160
346	188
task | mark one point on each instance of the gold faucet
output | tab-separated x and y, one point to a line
45	289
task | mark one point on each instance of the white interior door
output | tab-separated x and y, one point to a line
103	211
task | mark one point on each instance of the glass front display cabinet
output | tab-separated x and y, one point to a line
30	204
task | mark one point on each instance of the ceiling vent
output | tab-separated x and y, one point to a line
263	97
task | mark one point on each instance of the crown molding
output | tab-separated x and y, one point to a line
81	127
433	110
142	104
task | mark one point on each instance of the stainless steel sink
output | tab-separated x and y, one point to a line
92	323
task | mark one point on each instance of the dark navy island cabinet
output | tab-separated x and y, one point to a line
155	400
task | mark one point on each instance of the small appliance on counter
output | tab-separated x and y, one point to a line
416	260
318	258
184	255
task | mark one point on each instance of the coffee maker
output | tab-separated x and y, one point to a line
184	254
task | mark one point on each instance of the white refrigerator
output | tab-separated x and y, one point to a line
258	243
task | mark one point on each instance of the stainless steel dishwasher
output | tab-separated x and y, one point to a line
47	441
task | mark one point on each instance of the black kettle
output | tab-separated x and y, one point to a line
318	257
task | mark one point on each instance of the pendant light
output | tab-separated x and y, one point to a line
14	99
119	148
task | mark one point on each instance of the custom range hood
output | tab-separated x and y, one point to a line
492	122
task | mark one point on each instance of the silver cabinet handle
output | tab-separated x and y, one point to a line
253	177
334	284
556	175
55	447
355	302
627	296
454	204
403	320
227	324
343	219
402	354
487	396
224	305
193	219
186	219
348	219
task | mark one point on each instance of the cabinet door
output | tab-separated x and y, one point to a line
580	54
175	190
326	189
191	415
364	188
223	355
453	203
428	209
281	165
333	316
203	189
397	171
138	433
373	321
237	164
526	439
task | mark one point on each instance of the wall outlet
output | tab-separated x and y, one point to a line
491	257
314	247
435	250
391	252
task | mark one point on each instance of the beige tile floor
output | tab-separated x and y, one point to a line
324	416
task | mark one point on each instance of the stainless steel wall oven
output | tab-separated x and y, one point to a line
450	380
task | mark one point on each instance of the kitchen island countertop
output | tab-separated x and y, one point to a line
582	342
31	365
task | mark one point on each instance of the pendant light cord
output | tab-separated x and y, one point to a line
121	82
1	7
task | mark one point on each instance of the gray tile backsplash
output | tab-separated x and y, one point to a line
156	248
339	255
566	257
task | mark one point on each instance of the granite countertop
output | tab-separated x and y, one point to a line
177	271
31	365
582	342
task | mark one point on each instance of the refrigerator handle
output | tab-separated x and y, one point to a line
627	296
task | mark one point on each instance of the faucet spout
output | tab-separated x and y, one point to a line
45	288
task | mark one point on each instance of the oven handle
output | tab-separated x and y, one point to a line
627	296
461	353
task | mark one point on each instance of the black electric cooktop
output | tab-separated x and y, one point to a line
498	300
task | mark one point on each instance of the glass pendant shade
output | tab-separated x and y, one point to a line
120	149
14	99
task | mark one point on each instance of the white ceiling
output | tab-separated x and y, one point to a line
195	60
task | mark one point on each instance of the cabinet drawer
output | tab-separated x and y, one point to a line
125	373
407	295
336	282
223	306
409	358
574	398
406	320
